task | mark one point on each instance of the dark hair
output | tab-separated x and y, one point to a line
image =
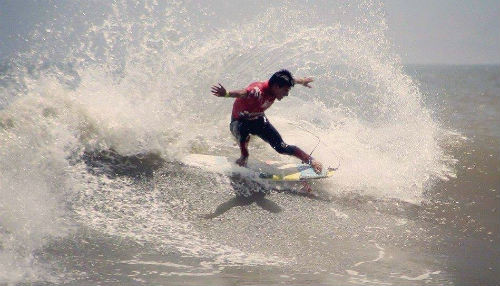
282	78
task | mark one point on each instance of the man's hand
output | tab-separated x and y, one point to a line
219	90
304	81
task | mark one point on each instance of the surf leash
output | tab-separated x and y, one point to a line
317	144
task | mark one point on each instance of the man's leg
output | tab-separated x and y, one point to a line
269	134
242	161
241	133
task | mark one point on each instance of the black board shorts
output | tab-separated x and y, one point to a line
260	126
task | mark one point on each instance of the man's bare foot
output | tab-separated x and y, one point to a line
317	166
242	161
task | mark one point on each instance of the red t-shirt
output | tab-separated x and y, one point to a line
258	99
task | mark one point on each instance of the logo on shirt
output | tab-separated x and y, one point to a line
256	92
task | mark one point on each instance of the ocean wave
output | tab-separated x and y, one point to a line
99	100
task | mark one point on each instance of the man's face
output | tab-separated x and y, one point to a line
280	92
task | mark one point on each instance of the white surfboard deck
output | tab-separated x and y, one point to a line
256	169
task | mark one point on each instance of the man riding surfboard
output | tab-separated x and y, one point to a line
248	115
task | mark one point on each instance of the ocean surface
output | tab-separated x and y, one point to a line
103	102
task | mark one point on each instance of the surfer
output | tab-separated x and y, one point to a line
248	115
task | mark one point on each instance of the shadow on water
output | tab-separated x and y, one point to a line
113	164
249	192
257	198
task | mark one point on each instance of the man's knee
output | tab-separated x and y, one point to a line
234	128
239	132
284	148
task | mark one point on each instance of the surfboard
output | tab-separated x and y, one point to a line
297	172
273	171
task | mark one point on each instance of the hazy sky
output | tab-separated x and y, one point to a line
423	31
445	31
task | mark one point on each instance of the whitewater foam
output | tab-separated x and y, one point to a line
135	79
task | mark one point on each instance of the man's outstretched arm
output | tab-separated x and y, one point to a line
220	91
304	81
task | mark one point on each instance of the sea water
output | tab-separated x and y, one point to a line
102	102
